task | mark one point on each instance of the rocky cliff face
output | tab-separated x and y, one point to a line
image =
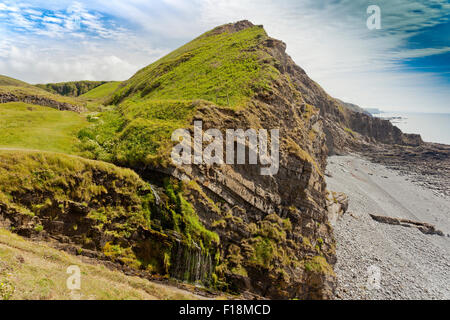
275	240
275	237
346	129
6	97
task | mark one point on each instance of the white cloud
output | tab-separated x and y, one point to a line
38	66
52	19
329	39
418	53
4	7
334	46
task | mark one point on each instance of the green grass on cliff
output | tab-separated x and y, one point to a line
225	69
28	126
209	68
58	177
132	134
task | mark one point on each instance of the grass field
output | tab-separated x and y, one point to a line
40	128
34	271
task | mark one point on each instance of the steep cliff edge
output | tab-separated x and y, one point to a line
275	237
345	129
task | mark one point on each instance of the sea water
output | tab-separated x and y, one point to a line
433	127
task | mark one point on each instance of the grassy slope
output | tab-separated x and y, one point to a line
103	91
226	69
34	271
211	65
97	97
40	128
7	81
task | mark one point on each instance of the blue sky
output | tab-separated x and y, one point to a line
404	66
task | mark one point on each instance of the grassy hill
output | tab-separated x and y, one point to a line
96	98
101	92
216	64
221	67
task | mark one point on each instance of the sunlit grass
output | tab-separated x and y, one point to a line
41	128
35	271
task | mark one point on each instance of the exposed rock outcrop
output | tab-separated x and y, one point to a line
345	129
423	227
41	101
337	205
275	235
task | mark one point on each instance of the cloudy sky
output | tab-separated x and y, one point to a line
404	66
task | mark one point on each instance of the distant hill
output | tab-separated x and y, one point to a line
7	81
72	89
101	92
373	110
353	107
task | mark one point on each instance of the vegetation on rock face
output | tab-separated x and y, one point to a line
34	271
318	264
102	207
72	89
133	135
225	69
